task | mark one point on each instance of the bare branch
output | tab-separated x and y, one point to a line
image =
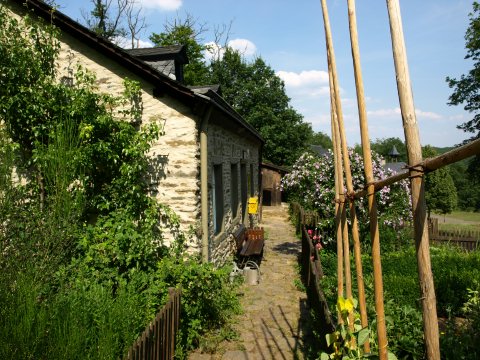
135	22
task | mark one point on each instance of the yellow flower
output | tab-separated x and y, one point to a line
345	305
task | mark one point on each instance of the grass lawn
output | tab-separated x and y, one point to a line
458	227
459	221
464	215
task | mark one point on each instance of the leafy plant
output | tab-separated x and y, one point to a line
348	339
311	183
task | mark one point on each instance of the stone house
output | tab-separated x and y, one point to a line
206	164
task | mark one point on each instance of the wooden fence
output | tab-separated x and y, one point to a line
312	271
467	240
157	342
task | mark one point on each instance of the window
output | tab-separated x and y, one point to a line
217	198
252	189
243	188
234	189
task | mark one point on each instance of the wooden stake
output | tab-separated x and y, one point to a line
340	187
367	160
338	210
381	329
414	150
429	165
343	215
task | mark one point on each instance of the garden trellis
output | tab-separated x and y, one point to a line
417	168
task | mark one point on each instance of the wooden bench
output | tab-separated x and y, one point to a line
249	242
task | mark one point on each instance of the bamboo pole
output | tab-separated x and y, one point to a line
429	165
367	160
342	200
343	214
338	211
381	329
417	181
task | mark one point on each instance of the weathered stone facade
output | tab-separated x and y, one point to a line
175	158
226	148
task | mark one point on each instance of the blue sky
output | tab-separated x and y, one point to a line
289	36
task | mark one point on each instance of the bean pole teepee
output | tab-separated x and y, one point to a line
417	169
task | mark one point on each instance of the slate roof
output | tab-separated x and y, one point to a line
319	150
169	60
398	167
163	84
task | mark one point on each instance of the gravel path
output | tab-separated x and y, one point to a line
273	325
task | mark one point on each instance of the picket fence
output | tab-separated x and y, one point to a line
467	240
157	342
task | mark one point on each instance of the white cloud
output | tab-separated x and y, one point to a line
304	78
396	112
428	115
244	46
126	43
385	113
167	5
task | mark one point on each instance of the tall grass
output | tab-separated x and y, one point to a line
74	323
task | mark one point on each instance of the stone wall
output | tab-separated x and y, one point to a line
226	148
175	156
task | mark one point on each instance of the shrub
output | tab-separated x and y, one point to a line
311	183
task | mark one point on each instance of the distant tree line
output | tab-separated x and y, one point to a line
258	94
251	87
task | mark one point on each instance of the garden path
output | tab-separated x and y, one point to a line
274	324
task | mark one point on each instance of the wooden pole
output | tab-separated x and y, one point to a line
417	181
342	206
429	165
343	215
338	210
381	329
367	160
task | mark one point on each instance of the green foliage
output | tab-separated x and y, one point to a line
465	89
208	299
311	184
440	191
454	271
385	145
322	139
186	32
104	22
460	338
404	329
83	264
258	94
345	342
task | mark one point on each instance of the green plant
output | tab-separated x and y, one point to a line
460	337
348	339
208	298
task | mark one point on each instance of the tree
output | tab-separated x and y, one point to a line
186	32
251	88
466	91
385	145
258	94
322	139
116	21
440	190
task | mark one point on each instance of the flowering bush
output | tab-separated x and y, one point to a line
312	184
